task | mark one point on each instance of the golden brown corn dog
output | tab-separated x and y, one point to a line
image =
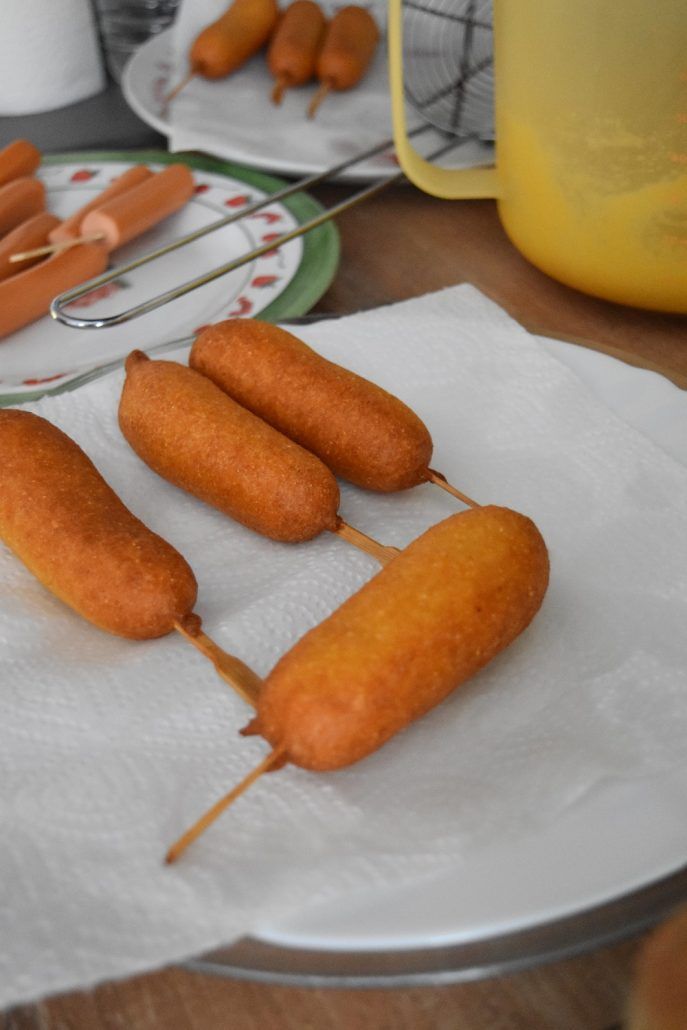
188	431
70	529
295	45
361	432
450	602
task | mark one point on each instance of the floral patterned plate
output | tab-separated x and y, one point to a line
47	357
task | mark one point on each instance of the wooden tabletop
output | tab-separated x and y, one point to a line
402	244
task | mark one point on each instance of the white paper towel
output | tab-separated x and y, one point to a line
109	748
49	55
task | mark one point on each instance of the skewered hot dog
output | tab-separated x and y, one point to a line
360	431
27	295
19	200
450	602
18	159
347	52
123	217
70	228
228	42
192	434
34	232
295	46
70	529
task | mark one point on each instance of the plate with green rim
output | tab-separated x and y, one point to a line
47	357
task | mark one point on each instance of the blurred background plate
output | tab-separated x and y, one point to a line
48	357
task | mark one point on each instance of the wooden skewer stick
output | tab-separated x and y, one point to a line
278	90
439	480
274	759
232	670
178	88
54	248
322	92
365	543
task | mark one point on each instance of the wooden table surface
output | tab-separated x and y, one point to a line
398	245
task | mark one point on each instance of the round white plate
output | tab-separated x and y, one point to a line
253	131
611	865
48	357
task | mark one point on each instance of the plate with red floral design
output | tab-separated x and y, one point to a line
48	357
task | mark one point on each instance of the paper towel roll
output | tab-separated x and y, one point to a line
49	55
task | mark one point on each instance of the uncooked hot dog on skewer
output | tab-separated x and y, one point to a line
27	295
70	228
20	199
361	432
63	521
349	46
295	46
18	160
432	618
131	213
34	232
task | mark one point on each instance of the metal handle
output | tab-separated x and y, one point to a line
60	302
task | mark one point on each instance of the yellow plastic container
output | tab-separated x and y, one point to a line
591	154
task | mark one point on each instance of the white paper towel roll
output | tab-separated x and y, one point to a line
49	55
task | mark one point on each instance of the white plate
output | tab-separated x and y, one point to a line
509	888
623	839
277	138
47	357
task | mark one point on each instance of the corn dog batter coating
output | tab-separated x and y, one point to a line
71	530
428	621
361	432
190	432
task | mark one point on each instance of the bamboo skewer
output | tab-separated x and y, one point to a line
322	93
278	90
54	248
365	543
232	670
439	480
178	88
275	759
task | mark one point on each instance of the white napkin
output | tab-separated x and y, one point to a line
49	55
108	748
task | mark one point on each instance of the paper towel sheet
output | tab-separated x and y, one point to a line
108	748
49	55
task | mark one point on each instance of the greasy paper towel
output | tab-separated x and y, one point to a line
234	117
108	748
49	55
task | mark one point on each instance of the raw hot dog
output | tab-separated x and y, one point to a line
34	232
139	208
70	529
19	200
70	228
27	295
228	42
360	431
295	46
188	431
17	160
434	616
